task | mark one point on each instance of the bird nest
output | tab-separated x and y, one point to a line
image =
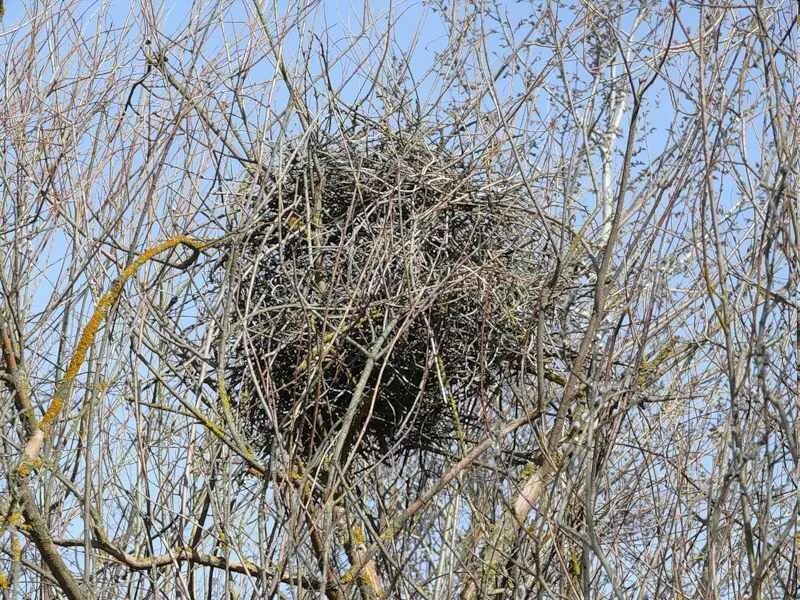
382	293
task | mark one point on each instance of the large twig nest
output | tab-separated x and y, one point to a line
372	236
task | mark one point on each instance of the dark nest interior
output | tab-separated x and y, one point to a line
379	282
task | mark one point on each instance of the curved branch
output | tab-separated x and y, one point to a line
181	555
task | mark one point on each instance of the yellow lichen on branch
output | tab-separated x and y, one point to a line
86	339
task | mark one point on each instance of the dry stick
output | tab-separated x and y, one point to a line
64	387
159	62
30	456
329	582
471	456
370	578
188	554
39	431
17	380
37	527
39	532
332	591
145	563
369	582
533	487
